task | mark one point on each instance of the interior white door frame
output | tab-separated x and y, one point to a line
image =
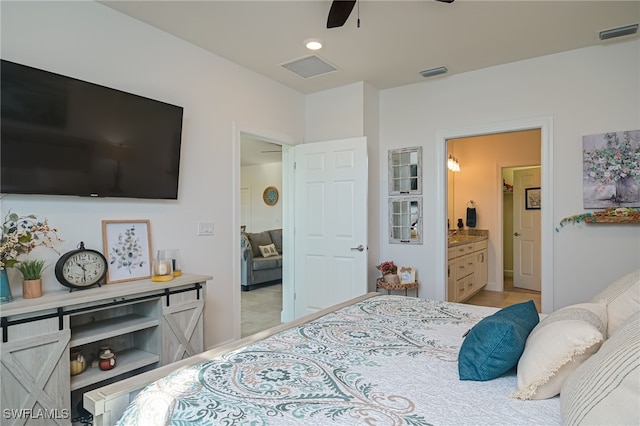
545	124
286	142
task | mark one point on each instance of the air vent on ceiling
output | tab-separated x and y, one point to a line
309	66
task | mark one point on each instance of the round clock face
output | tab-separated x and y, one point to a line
81	268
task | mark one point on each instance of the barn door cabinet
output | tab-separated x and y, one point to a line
146	324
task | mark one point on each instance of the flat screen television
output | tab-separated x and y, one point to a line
63	136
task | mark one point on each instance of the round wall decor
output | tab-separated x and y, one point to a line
270	196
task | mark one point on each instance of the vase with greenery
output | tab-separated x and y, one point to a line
20	236
31	270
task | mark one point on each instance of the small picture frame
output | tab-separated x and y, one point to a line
532	198
127	247
407	275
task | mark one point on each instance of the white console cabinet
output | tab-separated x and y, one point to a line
147	324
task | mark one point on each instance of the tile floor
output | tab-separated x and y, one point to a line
261	307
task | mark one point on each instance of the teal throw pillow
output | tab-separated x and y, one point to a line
495	344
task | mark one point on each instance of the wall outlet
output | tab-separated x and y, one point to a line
205	228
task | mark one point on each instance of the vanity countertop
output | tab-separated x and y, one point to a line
466	236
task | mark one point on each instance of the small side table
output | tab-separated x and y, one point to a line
381	283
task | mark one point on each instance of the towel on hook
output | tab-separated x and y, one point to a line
471	214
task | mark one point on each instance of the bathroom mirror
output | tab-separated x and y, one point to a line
405	171
405	220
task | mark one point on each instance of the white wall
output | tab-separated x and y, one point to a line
89	41
257	178
586	91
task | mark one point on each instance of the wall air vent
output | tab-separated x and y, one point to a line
309	66
433	71
618	32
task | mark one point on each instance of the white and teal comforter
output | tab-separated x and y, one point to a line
387	360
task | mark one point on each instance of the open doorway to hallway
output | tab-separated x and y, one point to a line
261	243
482	160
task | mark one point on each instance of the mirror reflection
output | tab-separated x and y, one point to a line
405	220
405	171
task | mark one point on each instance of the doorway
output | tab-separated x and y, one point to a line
260	190
491	208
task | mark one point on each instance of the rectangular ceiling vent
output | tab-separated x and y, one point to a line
309	66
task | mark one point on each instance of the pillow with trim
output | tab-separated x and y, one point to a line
557	346
494	345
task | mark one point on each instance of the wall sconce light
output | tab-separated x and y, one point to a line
453	164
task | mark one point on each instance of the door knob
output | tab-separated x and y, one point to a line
359	248
517	234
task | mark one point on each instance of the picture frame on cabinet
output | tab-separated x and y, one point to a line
127	247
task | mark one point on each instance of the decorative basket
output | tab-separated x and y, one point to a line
612	219
381	283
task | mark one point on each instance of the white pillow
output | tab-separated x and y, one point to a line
268	250
605	390
558	345
622	298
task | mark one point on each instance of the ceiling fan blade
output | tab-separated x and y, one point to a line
446	1
339	12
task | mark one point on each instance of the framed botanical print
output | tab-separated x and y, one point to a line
127	247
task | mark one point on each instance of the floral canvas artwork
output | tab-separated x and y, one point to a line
127	248
611	169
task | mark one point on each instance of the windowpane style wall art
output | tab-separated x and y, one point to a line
405	204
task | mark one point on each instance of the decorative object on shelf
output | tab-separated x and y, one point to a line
270	196
174	256
611	164
161	270
407	275
611	215
460	224
387	267
31	270
81	268
105	349
127	247
20	235
107	361
78	362
532	197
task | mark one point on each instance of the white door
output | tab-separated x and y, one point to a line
526	229
330	223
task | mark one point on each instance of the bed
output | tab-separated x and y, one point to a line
377	359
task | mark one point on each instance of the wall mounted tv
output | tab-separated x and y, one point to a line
63	136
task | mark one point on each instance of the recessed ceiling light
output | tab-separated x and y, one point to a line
313	44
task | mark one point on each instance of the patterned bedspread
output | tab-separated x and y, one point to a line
387	360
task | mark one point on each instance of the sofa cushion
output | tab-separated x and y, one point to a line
557	346
259	239
268	250
494	345
276	237
260	263
622	298
604	389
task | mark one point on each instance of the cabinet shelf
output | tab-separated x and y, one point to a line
126	361
104	329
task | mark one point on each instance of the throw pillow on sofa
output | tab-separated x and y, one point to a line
557	346
268	250
259	239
